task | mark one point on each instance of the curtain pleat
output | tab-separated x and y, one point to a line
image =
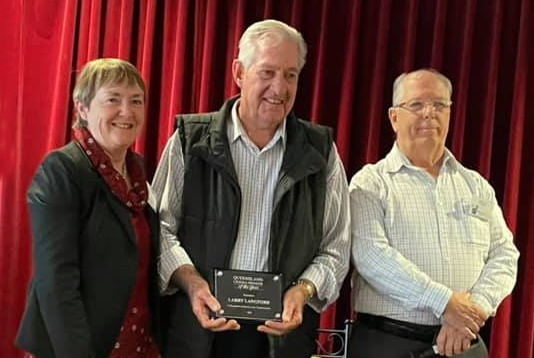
437	54
513	328
147	18
348	85
321	70
460	97
185	49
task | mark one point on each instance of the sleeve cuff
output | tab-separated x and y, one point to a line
320	301
169	262
435	298
481	301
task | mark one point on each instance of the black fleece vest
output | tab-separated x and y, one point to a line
212	197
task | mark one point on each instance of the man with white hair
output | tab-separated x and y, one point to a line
252	187
433	255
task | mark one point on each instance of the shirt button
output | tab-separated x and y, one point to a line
134	310
117	345
134	328
103	166
129	204
88	152
90	141
138	349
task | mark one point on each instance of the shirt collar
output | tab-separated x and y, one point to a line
396	159
236	130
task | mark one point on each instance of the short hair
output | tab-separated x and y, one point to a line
101	72
398	89
272	32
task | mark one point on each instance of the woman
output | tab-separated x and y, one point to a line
94	290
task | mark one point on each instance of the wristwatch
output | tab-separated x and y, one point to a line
311	291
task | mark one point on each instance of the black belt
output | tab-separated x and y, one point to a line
413	331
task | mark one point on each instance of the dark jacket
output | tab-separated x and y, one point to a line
212	203
85	257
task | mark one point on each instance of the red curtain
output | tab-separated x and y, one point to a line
184	49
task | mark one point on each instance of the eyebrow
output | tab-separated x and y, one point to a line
114	93
274	68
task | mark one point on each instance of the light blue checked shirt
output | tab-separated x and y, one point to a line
417	238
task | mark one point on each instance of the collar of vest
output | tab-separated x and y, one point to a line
300	157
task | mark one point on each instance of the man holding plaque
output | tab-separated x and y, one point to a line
253	201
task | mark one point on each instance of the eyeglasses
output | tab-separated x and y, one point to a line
417	105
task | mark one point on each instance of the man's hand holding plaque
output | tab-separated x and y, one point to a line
294	300
202	301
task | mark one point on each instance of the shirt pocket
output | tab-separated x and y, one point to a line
477	231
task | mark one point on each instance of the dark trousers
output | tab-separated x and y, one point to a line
185	338
249	343
367	342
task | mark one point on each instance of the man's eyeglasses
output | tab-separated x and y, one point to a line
417	105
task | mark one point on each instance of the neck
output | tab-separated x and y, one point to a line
118	160
260	136
426	156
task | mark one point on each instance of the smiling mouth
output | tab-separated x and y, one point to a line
427	129
122	125
273	101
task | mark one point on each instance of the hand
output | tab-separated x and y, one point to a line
294	301
451	341
464	315
202	301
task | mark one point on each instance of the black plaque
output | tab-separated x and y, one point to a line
248	295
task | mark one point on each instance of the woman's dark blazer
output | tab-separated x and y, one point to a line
85	260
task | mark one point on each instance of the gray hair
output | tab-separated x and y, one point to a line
272	32
398	89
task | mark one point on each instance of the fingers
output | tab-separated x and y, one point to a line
279	328
203	314
466	345
457	347
292	311
208	300
221	324
291	319
441	340
451	342
294	301
464	315
203	304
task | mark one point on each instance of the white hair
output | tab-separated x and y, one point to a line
398	88
272	32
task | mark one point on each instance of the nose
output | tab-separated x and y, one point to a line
279	84
429	110
126	108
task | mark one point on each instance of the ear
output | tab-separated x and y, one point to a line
392	114
81	109
237	72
